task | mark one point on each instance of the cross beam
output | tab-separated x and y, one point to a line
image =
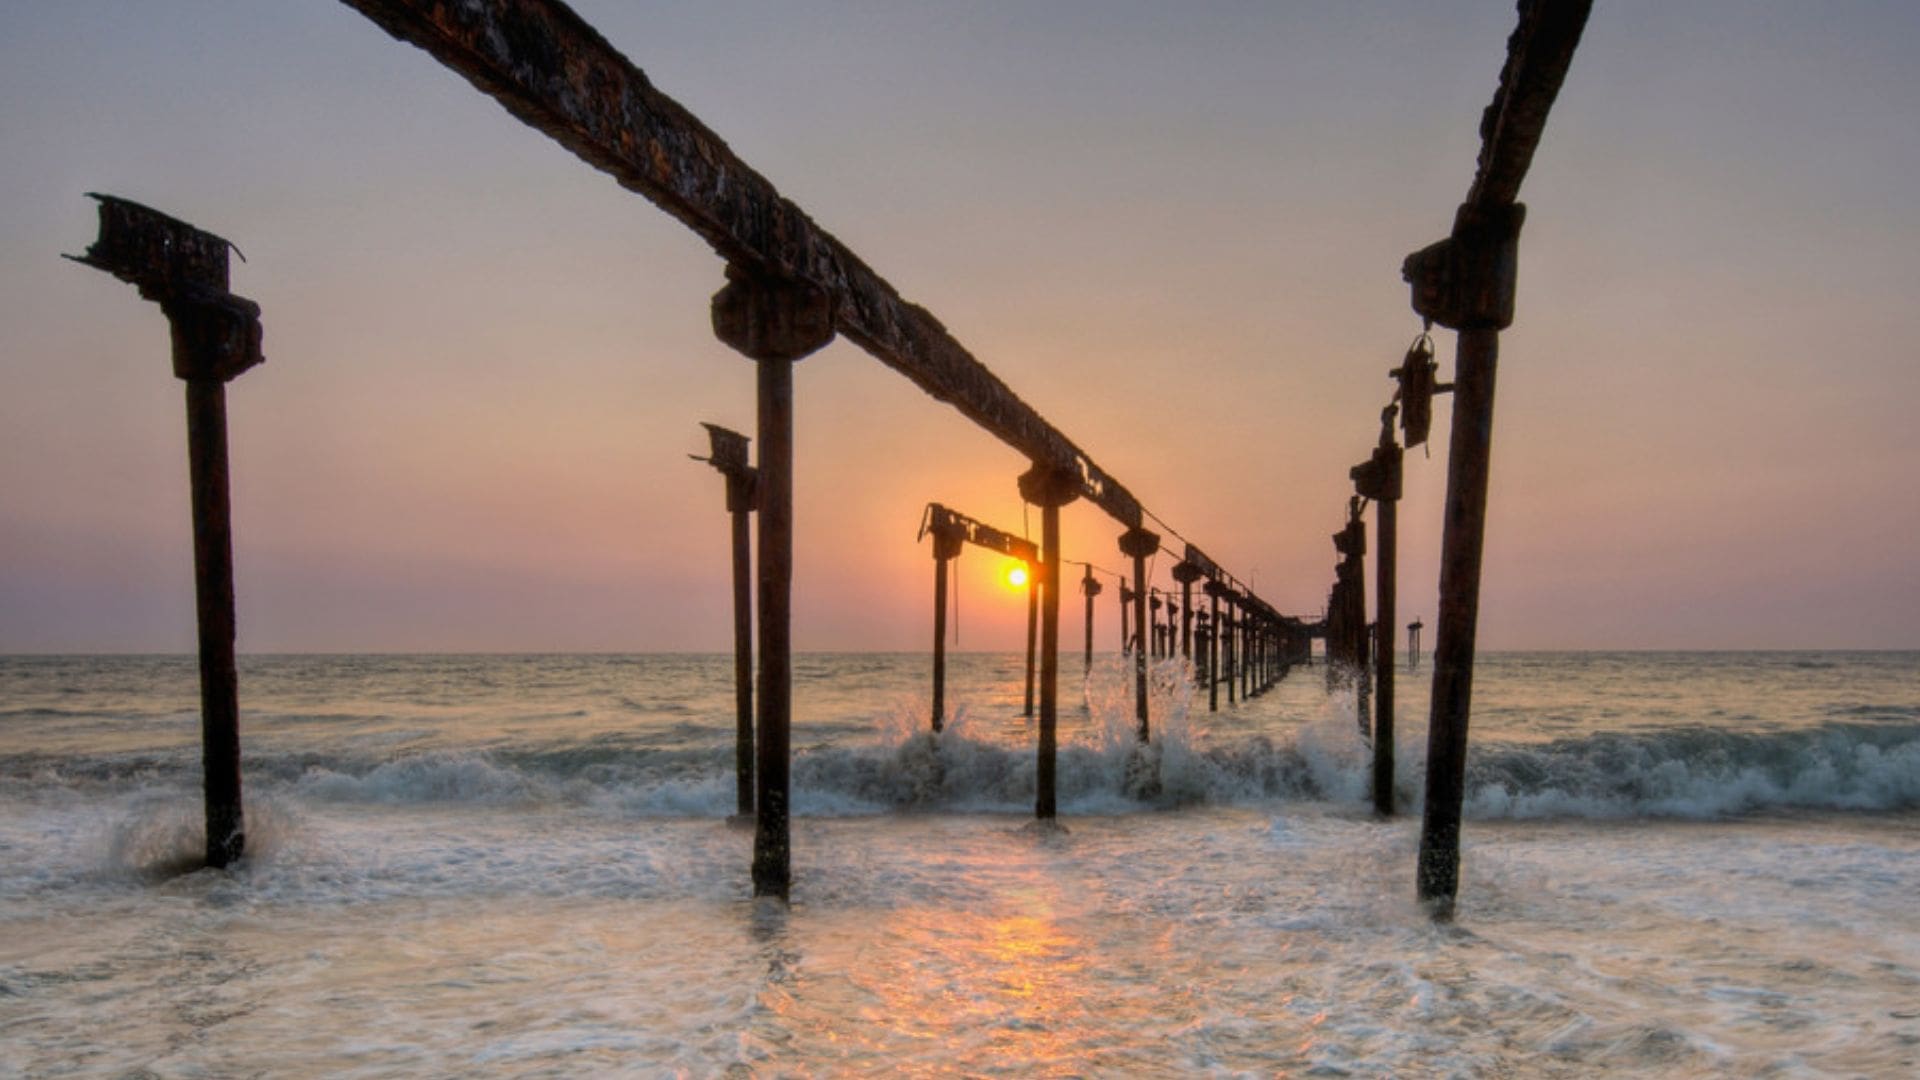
551	69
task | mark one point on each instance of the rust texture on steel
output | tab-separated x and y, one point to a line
549	68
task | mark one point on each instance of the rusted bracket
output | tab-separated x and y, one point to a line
216	335
943	522
1467	281
728	455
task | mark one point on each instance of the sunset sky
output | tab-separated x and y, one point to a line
1176	230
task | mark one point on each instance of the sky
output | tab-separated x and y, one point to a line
1176	230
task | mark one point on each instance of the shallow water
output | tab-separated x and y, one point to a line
1674	865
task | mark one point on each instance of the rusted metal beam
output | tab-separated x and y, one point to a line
1538	54
552	70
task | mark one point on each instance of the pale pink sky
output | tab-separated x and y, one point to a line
1175	231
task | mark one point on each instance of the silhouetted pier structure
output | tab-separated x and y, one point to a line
790	289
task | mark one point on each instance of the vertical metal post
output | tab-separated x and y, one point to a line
1186	616
216	336
1092	589
939	633
1033	625
1138	543
774	323
1466	283
1051	490
1464	534
1378	478
729	458
213	592
772	843
1213	647
742	652
1049	574
1386	526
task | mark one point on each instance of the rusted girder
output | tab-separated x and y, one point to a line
551	69
1538	54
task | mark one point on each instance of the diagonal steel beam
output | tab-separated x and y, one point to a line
1538	54
551	69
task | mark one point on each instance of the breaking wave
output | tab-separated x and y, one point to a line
1691	773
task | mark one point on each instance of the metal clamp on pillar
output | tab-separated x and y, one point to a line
1468	280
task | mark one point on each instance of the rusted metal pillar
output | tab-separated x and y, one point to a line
1215	631
1153	623
1232	635
773	323
1186	574
729	456
1138	544
1466	282
946	545
216	336
1126	599
1201	635
1090	588
1350	601
1033	626
1379	479
1247	652
1050	489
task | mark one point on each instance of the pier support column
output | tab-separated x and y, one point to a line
1186	574
1091	589
1033	625
1050	489
1215	631
216	336
1466	283
946	545
729	456
774	323
1138	544
1379	479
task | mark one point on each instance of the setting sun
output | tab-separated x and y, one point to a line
1017	576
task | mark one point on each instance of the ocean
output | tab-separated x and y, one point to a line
1675	864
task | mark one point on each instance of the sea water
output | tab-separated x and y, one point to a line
1674	864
